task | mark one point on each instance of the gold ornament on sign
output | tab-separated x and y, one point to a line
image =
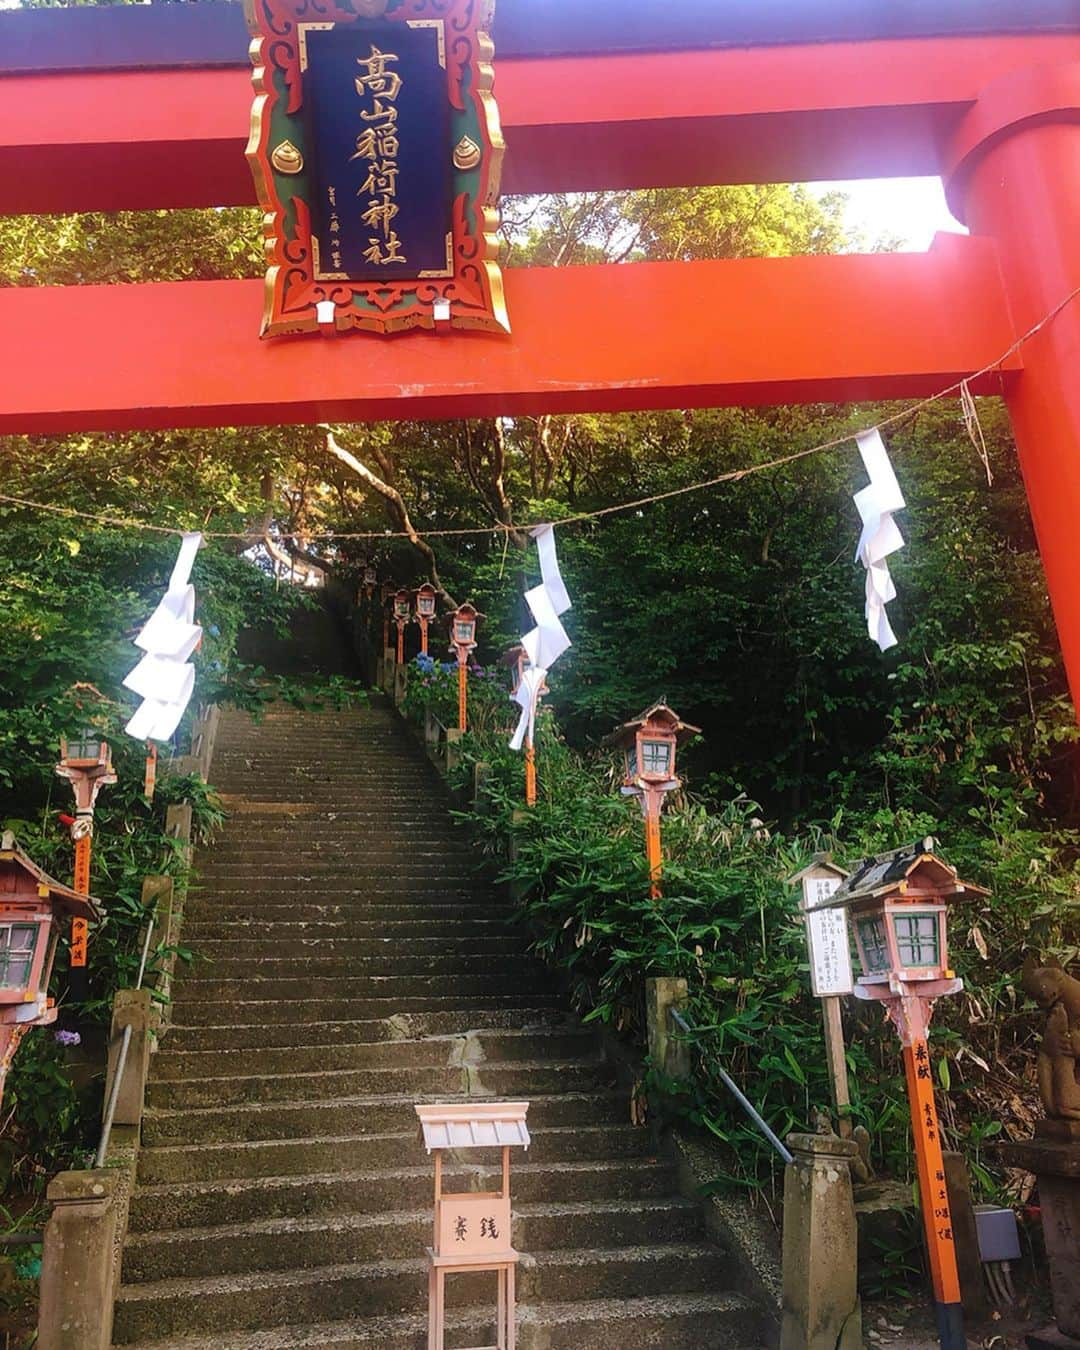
466	154
286	158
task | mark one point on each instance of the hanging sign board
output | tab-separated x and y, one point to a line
376	152
827	938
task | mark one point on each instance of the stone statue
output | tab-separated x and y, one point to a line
1058	993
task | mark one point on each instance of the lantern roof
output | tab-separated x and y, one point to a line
659	713
820	863
512	655
474	1125
914	866
465	611
63	898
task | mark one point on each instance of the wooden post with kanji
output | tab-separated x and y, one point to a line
897	902
472	1230
830	971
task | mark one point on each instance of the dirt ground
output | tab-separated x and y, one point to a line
893	1326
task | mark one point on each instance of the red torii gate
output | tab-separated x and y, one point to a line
147	106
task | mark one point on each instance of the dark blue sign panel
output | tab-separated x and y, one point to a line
377	101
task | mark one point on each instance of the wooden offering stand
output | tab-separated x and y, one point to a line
472	1231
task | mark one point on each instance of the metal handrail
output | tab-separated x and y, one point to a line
121	1061
733	1087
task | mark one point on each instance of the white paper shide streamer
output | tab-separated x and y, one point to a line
545	643
880	536
164	679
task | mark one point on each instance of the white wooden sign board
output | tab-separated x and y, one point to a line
827	938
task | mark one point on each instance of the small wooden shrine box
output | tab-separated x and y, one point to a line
472	1230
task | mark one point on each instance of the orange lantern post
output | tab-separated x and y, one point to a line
426	596
897	902
32	907
649	743
401	618
514	659
87	765
462	641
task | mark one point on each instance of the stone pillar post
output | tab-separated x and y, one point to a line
821	1308
1054	1156
78	1269
667	1053
159	896
401	684
131	1008
431	732
389	667
453	749
965	1237
481	774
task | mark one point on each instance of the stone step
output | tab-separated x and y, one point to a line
399	1234
483	983
355	956
477	1048
344	863
379	784
402	1027
347	1008
272	1151
495	1080
203	1204
358	958
713	1321
297	1296
215	937
435	853
470	904
320	882
357	822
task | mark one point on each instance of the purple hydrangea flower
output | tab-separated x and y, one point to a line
67	1038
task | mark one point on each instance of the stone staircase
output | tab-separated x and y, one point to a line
352	960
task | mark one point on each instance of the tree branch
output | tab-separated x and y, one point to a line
397	509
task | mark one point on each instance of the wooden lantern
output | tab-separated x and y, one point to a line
426	596
32	909
463	623
463	629
649	743
897	902
86	763
472	1230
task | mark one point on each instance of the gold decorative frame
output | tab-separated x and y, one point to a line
471	284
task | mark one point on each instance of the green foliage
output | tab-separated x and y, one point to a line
433	686
728	923
73	594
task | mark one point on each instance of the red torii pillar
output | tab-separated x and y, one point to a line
1012	171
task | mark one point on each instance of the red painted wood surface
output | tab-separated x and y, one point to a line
134	140
645	335
1015	176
